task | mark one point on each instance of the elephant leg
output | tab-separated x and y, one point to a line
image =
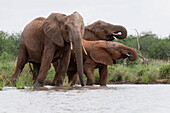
89	67
56	65
22	60
61	67
103	71
72	77
36	68
45	65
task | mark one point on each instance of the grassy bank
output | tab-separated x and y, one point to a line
155	72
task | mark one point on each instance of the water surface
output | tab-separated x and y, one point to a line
110	99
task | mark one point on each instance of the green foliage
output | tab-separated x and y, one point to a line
165	71
66	83
51	74
145	79
150	45
2	83
96	76
115	73
20	83
24	79
8	46
6	57
137	73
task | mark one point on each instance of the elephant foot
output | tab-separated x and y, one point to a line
90	82
59	83
38	84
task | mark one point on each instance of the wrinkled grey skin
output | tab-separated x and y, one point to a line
44	41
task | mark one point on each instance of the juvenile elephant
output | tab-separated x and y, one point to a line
99	30
45	40
99	55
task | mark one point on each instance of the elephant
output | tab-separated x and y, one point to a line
46	40
99	30
99	55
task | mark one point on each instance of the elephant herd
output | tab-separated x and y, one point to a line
71	47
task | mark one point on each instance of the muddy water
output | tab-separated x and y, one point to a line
111	99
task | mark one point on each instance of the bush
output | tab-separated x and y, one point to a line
24	79
96	76
165	71
145	79
6	57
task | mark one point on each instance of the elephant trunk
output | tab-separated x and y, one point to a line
77	43
119	29
133	54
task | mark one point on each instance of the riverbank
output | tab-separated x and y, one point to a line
157	72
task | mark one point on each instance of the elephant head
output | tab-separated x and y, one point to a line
62	29
101	30
107	52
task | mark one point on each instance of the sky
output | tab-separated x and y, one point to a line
143	15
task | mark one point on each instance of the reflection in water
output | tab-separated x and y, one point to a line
111	99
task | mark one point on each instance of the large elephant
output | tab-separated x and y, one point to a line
99	55
45	40
99	30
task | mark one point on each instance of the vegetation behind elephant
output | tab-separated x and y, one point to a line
99	55
46	40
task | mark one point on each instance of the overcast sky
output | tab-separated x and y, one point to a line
143	15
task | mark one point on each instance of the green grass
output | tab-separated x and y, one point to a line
133	73
138	73
66	83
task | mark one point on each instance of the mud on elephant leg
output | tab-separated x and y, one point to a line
103	72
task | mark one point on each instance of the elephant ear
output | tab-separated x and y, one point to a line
51	28
99	54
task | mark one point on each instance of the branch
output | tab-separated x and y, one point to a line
139	53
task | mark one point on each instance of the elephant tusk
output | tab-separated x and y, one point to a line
127	54
84	50
116	34
71	45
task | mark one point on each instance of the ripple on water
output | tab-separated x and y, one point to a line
114	98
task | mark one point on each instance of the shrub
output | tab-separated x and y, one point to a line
2	83
165	71
96	76
51	74
145	79
6	57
